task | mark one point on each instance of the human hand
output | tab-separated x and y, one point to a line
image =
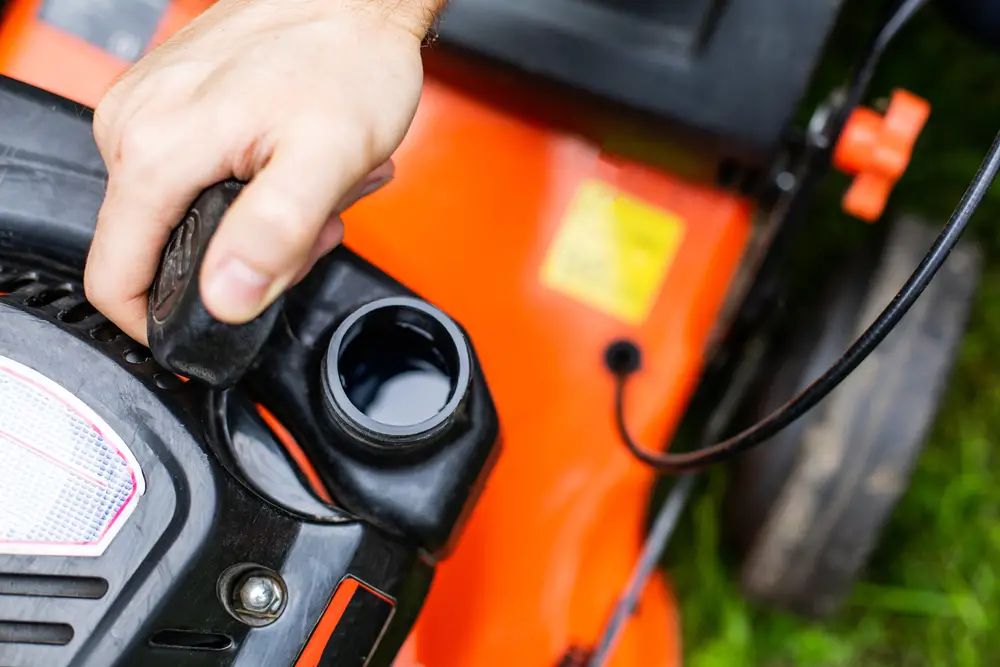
305	99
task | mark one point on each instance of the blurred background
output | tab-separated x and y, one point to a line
932	593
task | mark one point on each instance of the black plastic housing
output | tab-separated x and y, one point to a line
221	488
417	495
196	520
732	71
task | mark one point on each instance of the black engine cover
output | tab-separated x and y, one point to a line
213	490
159	574
733	71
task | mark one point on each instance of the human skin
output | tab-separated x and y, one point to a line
304	99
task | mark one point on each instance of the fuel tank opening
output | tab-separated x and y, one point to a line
396	372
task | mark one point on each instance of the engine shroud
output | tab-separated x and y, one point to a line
130	497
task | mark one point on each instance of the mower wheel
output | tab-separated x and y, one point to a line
805	510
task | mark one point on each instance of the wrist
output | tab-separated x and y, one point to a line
417	17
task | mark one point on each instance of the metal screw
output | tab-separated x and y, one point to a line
258	597
260	594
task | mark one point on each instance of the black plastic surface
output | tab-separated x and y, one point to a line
209	502
250	452
183	335
732	69
52	177
421	498
194	521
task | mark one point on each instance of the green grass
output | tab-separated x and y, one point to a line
931	595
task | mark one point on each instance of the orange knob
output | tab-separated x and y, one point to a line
876	149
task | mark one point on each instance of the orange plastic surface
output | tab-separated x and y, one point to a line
479	198
477	201
312	652
877	149
296	453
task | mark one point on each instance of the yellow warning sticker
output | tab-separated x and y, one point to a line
612	252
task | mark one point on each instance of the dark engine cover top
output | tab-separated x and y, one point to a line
732	70
133	505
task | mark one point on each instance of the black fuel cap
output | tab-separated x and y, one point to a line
183	336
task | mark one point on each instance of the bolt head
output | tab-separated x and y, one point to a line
260	594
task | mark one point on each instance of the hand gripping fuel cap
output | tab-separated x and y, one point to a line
183	336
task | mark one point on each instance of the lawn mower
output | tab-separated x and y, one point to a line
582	256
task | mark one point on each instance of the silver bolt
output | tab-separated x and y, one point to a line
252	594
261	595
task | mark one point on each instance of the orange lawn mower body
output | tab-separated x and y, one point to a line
552	215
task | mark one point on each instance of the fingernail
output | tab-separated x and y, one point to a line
373	185
235	292
366	188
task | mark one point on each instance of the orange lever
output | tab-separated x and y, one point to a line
877	149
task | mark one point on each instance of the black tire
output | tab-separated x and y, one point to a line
805	510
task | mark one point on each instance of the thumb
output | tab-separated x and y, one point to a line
265	238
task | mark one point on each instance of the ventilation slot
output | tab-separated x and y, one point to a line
189	640
78	313
81	588
51	634
106	333
137	356
10	284
49	296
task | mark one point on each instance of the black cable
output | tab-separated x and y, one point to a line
809	166
623	361
818	390
862	77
